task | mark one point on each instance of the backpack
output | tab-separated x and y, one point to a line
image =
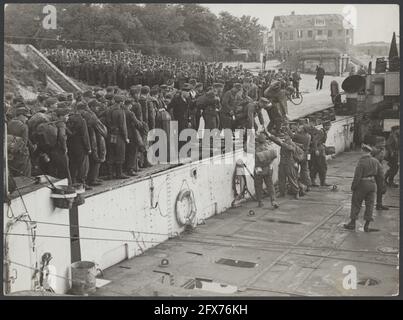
299	154
46	134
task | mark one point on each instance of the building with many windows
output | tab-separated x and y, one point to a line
295	32
313	38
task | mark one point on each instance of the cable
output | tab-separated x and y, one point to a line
78	238
99	228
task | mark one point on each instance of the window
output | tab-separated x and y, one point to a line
291	35
340	32
299	33
280	36
285	35
347	32
310	34
320	32
329	33
319	22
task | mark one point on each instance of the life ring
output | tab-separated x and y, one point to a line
185	208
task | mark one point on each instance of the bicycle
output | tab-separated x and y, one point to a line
295	98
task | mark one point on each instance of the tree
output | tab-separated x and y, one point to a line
200	24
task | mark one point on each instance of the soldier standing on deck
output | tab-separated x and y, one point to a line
303	138
148	118
367	172
117	139
264	170
79	146
392	156
288	167
318	163
378	154
229	102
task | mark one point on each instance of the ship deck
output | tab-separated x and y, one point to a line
313	102
299	249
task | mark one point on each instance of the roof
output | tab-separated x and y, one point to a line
307	20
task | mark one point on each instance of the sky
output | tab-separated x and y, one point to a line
375	22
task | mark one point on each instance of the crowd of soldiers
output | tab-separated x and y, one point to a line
104	131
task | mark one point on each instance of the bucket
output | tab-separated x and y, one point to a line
79	199
63	196
83	277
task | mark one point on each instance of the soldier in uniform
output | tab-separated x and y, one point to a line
229	101
303	138
318	163
18	127
180	109
97	133
79	147
392	156
288	167
378	154
117	139
367	172
59	159
264	170
148	118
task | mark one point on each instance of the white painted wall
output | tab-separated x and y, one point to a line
40	208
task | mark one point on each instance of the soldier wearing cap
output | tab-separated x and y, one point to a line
367	172
392	156
97	133
229	102
117	139
88	95
264	170
134	125
18	127
59	160
148	119
318	163
378	154
218	88
181	111
208	105
79	147
303	138
288	167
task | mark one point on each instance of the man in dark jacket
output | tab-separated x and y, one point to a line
367	172
117	139
79	147
318	163
180	108
320	74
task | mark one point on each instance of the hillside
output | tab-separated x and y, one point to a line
21	77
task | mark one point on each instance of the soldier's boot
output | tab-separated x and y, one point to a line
296	196
366	226
314	184
381	207
350	225
110	175
146	163
119	172
260	204
136	161
275	204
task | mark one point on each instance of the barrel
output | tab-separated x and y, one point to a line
63	196
83	277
